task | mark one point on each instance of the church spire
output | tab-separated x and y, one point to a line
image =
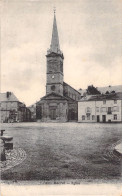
54	47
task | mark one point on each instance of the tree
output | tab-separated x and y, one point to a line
91	90
107	92
113	92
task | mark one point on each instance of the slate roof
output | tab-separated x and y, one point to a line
55	40
55	46
117	88
112	96
8	96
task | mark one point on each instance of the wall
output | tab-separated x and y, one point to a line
14	111
9	105
8	111
110	103
102	110
82	111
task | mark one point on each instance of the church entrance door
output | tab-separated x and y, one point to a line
53	114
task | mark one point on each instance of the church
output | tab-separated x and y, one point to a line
60	104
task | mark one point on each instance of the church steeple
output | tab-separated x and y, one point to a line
55	46
54	64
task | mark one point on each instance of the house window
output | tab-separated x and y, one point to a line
104	101
93	117
97	109
115	109
88	116
83	117
103	109
115	101
115	116
109	110
88	110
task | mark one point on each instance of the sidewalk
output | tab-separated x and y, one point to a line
119	148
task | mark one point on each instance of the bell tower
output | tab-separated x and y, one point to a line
54	79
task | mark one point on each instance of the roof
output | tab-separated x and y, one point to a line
117	88
112	96
65	84
55	40
8	96
54	47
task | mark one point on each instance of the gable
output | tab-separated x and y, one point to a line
53	96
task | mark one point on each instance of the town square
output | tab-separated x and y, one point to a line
65	152
61	94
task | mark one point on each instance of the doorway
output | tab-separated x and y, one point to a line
104	118
98	118
53	114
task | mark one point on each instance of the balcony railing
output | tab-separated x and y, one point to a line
109	112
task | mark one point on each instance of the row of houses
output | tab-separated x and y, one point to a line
100	108
12	110
91	108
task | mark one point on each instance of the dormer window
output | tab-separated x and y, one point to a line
104	101
115	101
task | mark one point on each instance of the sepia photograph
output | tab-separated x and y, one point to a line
61	97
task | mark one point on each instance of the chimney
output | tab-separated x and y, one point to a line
8	94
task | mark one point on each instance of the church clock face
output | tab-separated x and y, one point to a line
53	77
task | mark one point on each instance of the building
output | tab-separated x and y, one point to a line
12	110
32	109
61	100
100	108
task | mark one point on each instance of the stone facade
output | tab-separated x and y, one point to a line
53	108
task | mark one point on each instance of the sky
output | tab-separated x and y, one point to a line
90	36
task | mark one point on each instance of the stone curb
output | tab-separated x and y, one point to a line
118	148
